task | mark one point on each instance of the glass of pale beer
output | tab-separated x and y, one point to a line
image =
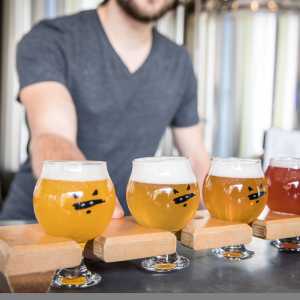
283	176
163	193
235	190
74	199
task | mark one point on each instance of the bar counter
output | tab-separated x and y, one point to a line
269	271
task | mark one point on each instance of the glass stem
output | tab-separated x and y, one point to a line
78	270
75	271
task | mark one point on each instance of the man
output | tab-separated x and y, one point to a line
104	85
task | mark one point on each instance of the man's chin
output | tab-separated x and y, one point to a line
144	17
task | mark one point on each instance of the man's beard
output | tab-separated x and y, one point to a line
133	11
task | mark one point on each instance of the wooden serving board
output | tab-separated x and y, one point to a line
125	240
272	226
4	283
205	232
4	250
33	256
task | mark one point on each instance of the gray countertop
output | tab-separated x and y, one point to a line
268	271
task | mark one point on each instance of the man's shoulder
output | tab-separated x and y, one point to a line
172	49
56	27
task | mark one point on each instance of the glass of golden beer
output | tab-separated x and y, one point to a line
283	176
74	199
235	190
163	193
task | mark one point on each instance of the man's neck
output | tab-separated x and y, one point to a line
122	29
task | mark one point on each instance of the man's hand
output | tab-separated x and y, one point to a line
118	212
53	126
190	144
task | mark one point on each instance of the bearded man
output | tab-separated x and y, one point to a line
104	85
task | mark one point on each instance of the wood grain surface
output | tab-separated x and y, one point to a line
273	225
205	232
124	240
31	250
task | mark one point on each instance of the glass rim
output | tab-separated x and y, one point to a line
74	170
74	162
285	162
249	161
157	159
285	158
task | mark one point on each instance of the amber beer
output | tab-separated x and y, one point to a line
163	192
235	190
284	185
77	205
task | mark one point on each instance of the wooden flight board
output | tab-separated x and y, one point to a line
4	283
272	225
205	232
125	240
33	257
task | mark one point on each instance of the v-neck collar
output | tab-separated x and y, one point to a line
118	57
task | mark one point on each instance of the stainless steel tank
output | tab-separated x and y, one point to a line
246	55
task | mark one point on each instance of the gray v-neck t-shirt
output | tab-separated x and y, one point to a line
121	115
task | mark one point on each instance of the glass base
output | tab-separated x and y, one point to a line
287	245
78	277
165	263
237	252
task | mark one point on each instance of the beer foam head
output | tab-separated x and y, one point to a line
75	170
236	168
164	170
286	162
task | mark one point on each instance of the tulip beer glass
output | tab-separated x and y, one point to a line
163	193
74	199
283	176
235	190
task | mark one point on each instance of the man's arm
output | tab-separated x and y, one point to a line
190	144
53	126
52	121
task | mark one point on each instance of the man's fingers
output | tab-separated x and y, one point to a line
118	212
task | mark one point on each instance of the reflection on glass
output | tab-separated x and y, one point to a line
235	190
163	193
284	194
74	200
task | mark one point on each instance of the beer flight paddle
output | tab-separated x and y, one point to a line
74	202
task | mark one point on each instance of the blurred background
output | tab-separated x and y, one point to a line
245	55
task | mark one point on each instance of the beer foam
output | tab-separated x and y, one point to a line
164	170
236	168
75	170
286	162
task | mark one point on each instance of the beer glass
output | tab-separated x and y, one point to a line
235	190
163	193
283	176
74	199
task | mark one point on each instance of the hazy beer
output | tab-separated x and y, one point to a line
162	192
79	210
155	205
284	185
235	190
